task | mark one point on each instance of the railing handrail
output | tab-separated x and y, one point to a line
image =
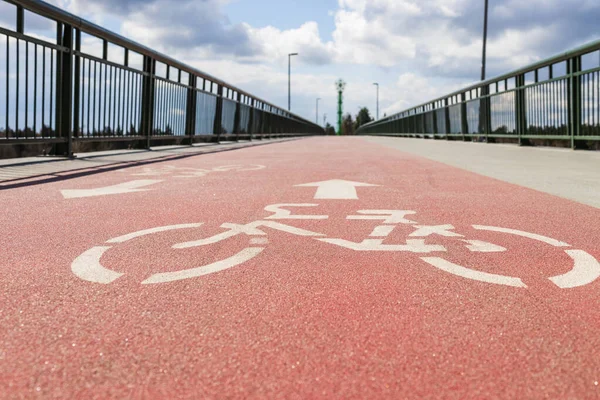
581	50
59	15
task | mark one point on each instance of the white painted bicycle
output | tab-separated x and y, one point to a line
585	270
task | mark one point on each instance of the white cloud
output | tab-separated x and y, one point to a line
417	49
276	44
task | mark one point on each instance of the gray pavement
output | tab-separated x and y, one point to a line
573	175
19	169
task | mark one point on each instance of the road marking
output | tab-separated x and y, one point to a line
188	172
239	168
413	246
250	229
240	258
585	271
477	246
540	238
387	216
125	238
382	230
87	267
336	189
281	213
472	274
121	188
442	230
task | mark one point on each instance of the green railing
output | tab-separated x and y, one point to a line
554	99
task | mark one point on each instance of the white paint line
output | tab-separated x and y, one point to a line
281	213
285	228
125	238
540	238
472	274
477	246
250	229
122	188
234	230
442	230
239	258
387	216
382	231
87	267
585	271
239	168
413	246
336	189
259	240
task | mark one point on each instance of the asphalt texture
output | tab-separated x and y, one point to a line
303	316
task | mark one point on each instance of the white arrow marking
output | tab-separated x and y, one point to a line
585	271
127	187
336	189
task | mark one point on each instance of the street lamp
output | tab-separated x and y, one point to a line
485	29
324	119
318	110
290	80
377	84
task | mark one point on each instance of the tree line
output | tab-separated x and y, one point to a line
351	124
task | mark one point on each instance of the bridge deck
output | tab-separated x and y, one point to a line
317	268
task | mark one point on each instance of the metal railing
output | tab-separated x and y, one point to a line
554	99
55	90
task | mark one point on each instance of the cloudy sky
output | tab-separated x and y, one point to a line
415	49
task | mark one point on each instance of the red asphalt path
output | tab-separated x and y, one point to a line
304	318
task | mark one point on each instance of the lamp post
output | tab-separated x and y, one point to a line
485	29
290	80
377	84
317	120
324	119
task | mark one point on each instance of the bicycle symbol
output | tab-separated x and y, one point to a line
585	269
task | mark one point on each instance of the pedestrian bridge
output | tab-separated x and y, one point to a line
58	98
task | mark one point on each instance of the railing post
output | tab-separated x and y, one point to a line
147	114
217	128
77	88
433	113
447	117
190	121
251	119
520	108
485	112
64	89
464	126
236	118
574	87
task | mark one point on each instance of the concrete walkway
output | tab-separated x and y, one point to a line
16	170
573	175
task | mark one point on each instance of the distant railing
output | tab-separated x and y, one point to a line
554	99
55	90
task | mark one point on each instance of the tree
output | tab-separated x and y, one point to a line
363	117
329	130
347	125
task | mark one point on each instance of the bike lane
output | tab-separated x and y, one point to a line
371	274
